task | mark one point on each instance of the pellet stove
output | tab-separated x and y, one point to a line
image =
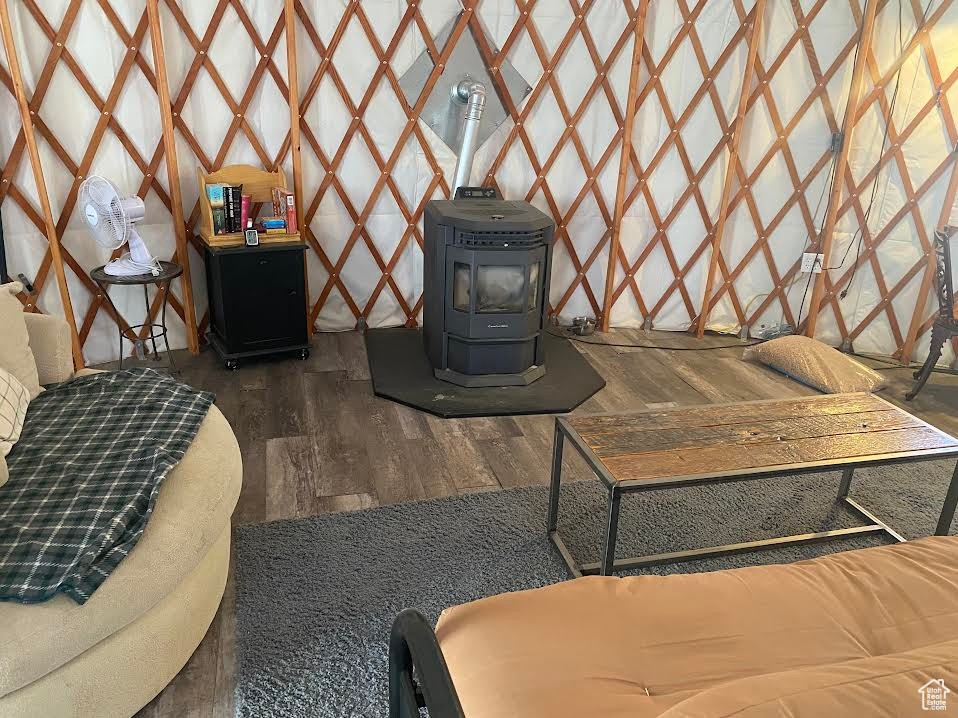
485	286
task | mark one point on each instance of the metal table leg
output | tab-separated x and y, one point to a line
119	327
611	529
948	510
846	483
552	522
164	288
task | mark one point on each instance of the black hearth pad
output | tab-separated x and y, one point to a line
401	372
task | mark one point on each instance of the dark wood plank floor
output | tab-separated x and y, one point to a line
314	439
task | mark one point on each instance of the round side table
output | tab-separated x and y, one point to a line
168	272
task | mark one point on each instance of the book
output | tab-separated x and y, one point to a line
215	194
232	203
219	220
245	201
279	202
276	230
228	208
237	200
290	213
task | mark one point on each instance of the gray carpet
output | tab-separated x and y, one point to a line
315	597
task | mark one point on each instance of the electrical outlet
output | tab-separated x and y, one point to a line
812	262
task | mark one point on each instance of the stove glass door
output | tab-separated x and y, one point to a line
500	289
533	287
461	286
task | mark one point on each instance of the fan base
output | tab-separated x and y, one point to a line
126	267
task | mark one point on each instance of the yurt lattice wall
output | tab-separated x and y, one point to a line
780	181
709	201
229	93
901	142
86	102
684	137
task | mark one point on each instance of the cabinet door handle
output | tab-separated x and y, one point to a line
292	292
264	261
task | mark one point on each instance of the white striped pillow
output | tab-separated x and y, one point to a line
14	400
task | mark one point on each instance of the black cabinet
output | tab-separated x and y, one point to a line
257	300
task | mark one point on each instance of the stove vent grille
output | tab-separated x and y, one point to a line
496	238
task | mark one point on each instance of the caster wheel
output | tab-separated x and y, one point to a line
232	364
304	354
916	374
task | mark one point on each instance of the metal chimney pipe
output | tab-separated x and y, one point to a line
474	94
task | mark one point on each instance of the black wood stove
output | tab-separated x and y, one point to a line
485	287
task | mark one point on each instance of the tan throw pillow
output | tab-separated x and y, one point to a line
14	400
15	354
816	364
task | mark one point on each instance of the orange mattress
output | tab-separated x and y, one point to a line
854	633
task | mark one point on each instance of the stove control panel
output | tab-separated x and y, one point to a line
477	193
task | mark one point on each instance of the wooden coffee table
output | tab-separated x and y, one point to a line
719	443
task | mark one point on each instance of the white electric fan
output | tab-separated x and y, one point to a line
110	218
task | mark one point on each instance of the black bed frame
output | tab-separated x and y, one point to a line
418	676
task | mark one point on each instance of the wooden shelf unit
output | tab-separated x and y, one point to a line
258	184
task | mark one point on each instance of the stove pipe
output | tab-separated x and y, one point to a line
474	94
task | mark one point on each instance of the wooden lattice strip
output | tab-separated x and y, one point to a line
926	289
642	186
57	38
13	65
871	247
239	126
732	128
842	173
893	154
384	70
592	173
674	139
733	161
8	189
60	53
326	67
20	144
412	217
294	139
819	94
200	61
638	40
544	83
548	81
897	155
619	255
310	211
162	85
104	122
385	166
636	18
926	310
604	239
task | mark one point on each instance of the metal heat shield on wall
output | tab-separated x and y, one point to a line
441	112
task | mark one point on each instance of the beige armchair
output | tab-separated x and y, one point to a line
112	655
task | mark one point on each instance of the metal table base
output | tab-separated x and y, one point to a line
148	331
609	564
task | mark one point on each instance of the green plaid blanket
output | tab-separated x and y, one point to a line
84	478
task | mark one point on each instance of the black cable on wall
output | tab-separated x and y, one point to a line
4	277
